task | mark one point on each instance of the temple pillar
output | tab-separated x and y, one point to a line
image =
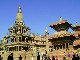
62	46
14	39
21	29
53	47
15	48
59	47
25	39
65	45
21	48
18	48
9	49
56	47
68	45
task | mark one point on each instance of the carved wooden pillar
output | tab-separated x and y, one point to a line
53	47
62	46
65	45
68	45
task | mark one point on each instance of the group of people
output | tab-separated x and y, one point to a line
45	57
75	57
10	57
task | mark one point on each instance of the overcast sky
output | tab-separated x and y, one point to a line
38	14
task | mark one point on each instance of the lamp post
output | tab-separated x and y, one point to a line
47	43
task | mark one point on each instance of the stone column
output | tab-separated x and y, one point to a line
21	29
56	47
14	39
18	48
25	39
68	45
53	47
62	46
59	46
15	48
21	48
65	45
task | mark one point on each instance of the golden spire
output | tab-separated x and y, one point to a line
60	18
46	30
77	24
19	17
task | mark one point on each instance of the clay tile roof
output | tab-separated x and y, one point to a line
77	42
50	44
76	24
76	27
59	22
60	34
76	33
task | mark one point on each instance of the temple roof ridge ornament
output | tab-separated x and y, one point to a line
76	27
77	24
46	30
60	18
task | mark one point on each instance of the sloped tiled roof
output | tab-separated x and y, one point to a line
76	27
60	34
61	21
76	42
76	33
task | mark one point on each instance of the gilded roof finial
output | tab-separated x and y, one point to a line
60	18
77	24
19	9
46	30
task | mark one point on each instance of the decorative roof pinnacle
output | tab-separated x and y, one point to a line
60	18
46	30
19	9
77	24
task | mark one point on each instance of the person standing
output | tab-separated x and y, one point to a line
56	57
38	57
77	57
12	56
64	58
9	57
20	58
53	58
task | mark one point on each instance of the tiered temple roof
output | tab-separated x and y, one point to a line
61	25
60	34
76	29
76	42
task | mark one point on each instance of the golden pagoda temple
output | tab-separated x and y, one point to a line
62	39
